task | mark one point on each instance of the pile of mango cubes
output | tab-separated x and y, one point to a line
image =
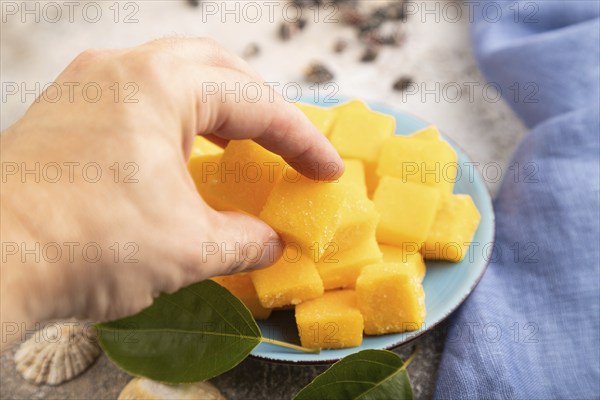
355	247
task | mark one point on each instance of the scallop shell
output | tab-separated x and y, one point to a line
58	352
142	388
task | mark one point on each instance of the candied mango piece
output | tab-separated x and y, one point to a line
407	212
411	159
355	175
321	117
291	280
359	133
429	133
359	219
203	146
339	269
331	321
390	299
305	212
411	260
241	286
453	229
203	166
247	174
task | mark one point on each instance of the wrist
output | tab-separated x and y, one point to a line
25	274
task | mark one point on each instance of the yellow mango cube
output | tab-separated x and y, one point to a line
203	146
305	213
203	166
241	286
409	259
331	321
339	269
429	162
407	212
359	133
355	175
291	280
390	298
321	117
453	229
248	172
359	219
429	133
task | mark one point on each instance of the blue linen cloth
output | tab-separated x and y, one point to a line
531	328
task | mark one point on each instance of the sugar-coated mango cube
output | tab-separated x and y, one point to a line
359	219
390	299
339	269
355	174
305	212
203	146
241	286
248	172
429	133
359	133
407	212
409	259
291	280
331	321
321	117
430	162
203	166
453	229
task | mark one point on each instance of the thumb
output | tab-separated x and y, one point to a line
240	242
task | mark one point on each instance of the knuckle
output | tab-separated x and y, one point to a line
210	43
90	55
151	65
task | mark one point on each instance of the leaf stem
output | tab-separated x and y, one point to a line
410	358
289	345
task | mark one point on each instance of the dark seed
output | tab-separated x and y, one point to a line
251	50
370	54
301	23
373	22
285	31
307	3
194	3
350	15
340	45
318	73
402	83
395	11
393	39
289	29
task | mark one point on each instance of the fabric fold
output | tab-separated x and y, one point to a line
542	288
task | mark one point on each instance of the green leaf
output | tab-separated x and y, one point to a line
366	375
192	335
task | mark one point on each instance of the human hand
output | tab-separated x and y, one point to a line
158	214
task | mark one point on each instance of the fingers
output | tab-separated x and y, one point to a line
239	243
291	135
243	109
235	103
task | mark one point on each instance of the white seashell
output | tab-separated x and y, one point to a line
58	352
142	388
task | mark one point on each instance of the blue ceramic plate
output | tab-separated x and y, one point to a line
446	285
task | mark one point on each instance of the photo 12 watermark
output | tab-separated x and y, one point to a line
453	92
69	252
69	172
54	92
53	12
268	11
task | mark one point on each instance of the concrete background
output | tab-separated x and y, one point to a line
436	55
